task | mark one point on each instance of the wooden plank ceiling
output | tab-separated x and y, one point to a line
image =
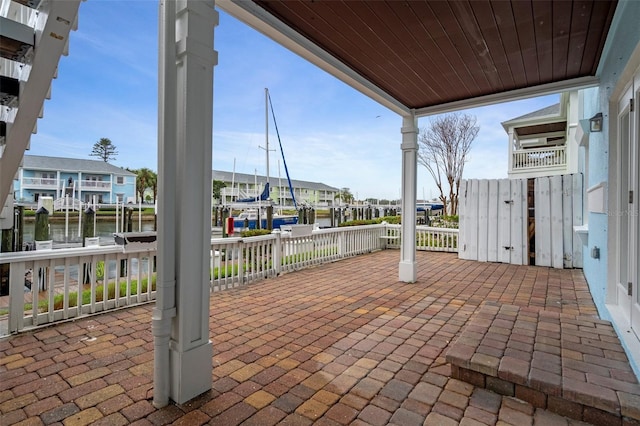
426	53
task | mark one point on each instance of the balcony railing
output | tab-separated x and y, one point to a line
94	185
539	158
33	182
46	286
52	183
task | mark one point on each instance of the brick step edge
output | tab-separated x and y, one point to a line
572	365
538	399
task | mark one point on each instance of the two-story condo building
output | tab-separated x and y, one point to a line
243	185
79	179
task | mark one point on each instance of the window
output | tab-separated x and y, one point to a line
48	178
120	180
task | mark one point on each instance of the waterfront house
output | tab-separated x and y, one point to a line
417	59
244	185
75	178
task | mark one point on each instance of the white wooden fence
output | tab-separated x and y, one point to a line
492	220
494	225
44	285
558	206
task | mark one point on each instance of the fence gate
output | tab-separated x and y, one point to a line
511	221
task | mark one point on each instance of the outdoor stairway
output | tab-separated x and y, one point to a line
572	365
34	34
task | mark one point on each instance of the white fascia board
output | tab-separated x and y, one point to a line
262	21
534	121
513	95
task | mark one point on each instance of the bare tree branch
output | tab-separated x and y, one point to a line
443	150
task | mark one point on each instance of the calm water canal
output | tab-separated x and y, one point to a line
61	233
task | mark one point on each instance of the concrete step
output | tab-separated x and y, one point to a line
572	365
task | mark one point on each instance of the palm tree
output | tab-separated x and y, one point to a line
153	184
345	195
145	178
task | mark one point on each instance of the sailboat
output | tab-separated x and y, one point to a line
248	218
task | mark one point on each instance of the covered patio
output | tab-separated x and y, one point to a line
341	343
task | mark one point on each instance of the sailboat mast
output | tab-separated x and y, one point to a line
266	128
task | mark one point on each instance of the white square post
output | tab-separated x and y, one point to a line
183	351
407	270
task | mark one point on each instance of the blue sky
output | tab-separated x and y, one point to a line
107	87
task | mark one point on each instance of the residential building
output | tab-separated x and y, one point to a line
79	179
543	142
243	185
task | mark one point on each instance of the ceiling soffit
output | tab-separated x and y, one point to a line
427	54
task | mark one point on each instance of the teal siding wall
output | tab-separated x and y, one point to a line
623	40
595	270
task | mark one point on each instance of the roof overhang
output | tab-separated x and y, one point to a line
423	58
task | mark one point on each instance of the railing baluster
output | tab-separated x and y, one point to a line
66	314
51	297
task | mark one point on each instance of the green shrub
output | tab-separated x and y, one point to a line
394	220
58	299
225	271
254	232
100	270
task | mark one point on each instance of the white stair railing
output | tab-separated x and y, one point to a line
63	203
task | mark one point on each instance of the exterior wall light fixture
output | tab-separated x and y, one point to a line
595	123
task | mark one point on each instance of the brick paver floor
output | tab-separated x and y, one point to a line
343	343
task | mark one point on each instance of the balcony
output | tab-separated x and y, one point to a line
39	183
544	160
95	185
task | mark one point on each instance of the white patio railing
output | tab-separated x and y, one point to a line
55	285
525	159
436	239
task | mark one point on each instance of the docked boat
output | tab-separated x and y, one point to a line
248	219
253	208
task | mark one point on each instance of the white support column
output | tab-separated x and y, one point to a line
111	183
571	144
59	191
79	185
21	174
183	351
407	271
511	142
